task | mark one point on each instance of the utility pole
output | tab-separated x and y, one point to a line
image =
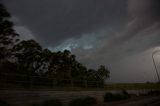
155	66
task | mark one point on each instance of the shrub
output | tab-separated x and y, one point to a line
154	92
124	92
89	100
83	101
35	104
76	102
52	102
2	103
114	97
143	94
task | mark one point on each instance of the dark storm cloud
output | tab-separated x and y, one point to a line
140	33
110	32
141	14
143	25
56	20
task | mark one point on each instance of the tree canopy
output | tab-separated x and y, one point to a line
8	36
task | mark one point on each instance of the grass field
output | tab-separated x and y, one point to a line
131	86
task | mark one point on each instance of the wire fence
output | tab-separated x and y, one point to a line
15	81
24	81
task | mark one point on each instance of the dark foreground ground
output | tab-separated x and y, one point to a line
144	101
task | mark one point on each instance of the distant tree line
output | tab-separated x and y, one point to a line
29	58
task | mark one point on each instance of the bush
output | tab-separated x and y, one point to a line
83	101
77	102
90	100
143	94
154	92
114	97
35	104
2	103
124	92
52	102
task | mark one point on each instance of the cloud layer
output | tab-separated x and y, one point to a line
56	20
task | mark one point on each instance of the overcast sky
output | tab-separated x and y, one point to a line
120	34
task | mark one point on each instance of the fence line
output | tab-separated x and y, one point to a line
25	81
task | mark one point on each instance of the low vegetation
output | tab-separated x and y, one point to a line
153	92
84	101
109	97
52	102
2	103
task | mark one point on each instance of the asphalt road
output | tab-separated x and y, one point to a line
151	101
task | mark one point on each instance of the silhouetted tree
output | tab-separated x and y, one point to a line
102	73
61	65
28	54
91	74
8	36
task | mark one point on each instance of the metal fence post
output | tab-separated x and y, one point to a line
54	83
72	83
97	83
85	83
31	81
